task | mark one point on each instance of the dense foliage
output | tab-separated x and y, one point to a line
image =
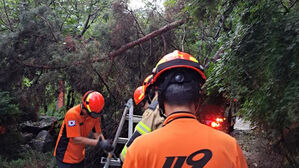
249	49
255	59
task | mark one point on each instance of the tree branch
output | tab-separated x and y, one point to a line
9	23
164	44
102	80
86	26
50	27
151	47
137	22
286	8
184	36
223	18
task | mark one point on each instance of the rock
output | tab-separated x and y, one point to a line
43	142
45	123
27	137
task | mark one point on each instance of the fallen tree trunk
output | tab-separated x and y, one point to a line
146	38
112	54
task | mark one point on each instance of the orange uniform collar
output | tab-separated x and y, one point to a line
178	115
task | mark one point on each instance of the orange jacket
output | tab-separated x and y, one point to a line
184	142
74	125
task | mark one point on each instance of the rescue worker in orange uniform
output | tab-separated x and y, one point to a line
182	141
78	123
151	120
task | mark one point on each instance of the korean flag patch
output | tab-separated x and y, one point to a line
72	123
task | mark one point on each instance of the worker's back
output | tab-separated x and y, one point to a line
184	142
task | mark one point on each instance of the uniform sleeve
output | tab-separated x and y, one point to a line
133	159
97	126
152	119
241	161
72	125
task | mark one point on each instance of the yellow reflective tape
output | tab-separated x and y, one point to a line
148	78
140	97
124	151
145	126
140	130
87	105
193	59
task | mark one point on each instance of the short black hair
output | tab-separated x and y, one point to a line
180	86
181	94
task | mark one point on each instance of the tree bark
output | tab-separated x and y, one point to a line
60	97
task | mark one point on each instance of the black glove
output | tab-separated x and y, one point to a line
105	144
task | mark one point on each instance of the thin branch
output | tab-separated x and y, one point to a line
102	80
151	47
50	27
9	23
184	36
137	22
60	27
5	24
286	8
164	44
163	17
52	2
293	4
86	26
223	18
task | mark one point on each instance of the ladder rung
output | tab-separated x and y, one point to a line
122	140
136	118
113	162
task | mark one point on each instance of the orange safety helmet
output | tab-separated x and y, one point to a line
94	102
177	59
141	91
138	95
147	82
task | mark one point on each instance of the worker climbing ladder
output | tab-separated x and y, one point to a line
111	159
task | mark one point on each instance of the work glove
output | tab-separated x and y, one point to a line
105	144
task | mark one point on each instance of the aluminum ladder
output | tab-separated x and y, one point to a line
111	160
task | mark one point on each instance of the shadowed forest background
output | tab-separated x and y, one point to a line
53	51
